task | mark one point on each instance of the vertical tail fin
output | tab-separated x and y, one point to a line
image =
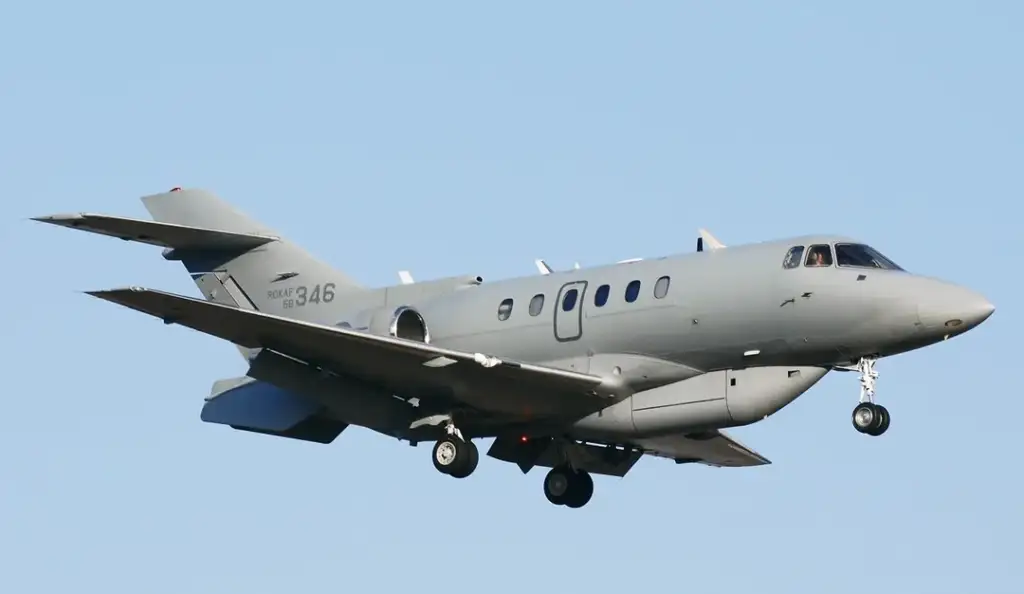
278	277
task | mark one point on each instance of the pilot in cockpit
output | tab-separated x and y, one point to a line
818	256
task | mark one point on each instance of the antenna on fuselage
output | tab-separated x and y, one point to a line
543	267
705	237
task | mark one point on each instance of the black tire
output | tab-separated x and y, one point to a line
581	490
865	417
449	454
470	458
558	485
883	421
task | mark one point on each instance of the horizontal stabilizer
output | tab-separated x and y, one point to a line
167	235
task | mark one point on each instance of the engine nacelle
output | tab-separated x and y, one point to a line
713	400
400	322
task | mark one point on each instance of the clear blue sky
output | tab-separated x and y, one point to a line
453	138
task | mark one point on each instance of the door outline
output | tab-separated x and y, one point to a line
568	325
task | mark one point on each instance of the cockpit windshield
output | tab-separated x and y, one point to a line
858	255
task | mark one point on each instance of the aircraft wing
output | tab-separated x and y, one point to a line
408	368
714	448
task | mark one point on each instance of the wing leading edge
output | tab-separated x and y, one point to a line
412	369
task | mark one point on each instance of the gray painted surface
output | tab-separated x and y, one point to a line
737	336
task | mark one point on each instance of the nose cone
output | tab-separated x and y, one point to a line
952	309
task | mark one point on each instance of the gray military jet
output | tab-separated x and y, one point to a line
581	371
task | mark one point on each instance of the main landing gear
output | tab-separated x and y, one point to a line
568	487
458	457
869	418
454	455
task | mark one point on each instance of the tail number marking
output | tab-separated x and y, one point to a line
303	295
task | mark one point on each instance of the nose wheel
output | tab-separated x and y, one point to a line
869	418
568	487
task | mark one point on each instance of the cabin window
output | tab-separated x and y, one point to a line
536	304
793	257
601	295
819	256
861	256
661	287
505	310
569	301
632	291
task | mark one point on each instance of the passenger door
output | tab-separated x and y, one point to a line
569	311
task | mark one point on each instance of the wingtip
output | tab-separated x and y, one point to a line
103	293
60	219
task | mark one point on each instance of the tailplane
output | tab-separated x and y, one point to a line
277	277
233	259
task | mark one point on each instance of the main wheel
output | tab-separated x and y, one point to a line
580	491
564	486
557	484
469	463
455	457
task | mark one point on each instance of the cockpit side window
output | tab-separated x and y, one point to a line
793	257
858	255
819	256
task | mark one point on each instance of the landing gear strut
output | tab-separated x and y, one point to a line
568	487
455	455
869	418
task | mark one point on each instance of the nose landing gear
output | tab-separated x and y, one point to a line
869	418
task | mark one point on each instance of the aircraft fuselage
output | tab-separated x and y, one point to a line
736	311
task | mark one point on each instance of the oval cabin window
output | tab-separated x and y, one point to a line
537	304
505	310
632	291
661	287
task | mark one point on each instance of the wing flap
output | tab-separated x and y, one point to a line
714	448
412	369
167	235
